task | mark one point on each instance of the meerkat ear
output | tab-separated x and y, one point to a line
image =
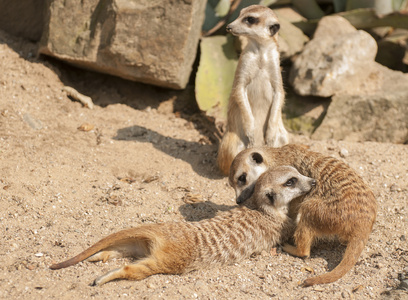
274	29
257	158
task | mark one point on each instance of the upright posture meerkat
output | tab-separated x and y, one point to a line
174	248
257	95
341	204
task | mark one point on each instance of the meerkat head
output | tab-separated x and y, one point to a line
278	186
255	22
245	169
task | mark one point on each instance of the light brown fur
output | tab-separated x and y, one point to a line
341	204
257	96
175	248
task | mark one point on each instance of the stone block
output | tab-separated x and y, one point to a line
150	41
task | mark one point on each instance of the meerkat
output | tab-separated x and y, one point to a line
254	115
180	247
341	205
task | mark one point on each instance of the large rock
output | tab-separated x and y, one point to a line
22	18
369	101
381	116
291	38
150	41
339	59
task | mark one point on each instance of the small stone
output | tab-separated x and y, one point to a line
403	238
318	289
151	286
344	152
394	188
33	123
345	294
404	285
39	254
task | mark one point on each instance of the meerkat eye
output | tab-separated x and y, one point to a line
251	20
271	197
274	29
291	182
242	179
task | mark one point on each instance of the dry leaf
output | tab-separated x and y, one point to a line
86	127
192	198
273	252
308	269
128	180
150	178
358	288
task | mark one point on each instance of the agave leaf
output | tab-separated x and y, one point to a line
309	9
339	5
222	8
215	75
363	18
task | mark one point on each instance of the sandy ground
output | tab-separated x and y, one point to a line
151	158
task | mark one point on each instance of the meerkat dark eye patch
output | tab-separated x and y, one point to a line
271	196
257	157
274	29
291	182
251	20
242	179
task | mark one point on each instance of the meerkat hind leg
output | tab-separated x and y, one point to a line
137	271
135	249
104	256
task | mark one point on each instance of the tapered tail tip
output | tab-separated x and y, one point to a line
308	282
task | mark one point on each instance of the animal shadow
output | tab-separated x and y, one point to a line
331	251
202	210
200	156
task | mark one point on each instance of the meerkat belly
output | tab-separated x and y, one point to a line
260	95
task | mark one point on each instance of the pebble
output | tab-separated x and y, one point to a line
33	123
39	254
394	188
344	152
404	285
151	286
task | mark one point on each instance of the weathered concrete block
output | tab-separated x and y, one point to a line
381	117
22	18
334	61
151	41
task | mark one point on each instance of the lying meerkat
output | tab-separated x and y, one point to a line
341	204
175	248
257	95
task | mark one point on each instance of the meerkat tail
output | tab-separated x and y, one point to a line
141	239
230	146
351	255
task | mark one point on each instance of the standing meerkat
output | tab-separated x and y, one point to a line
257	95
175	248
341	204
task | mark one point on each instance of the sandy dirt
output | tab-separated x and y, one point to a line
146	156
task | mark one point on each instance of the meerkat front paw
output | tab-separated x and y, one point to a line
292	250
277	136
251	140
